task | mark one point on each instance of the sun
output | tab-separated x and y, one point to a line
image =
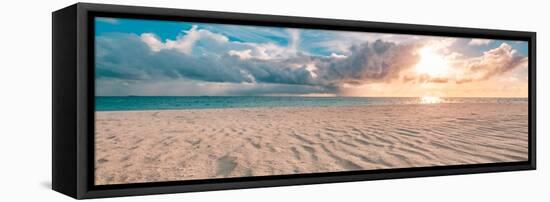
431	63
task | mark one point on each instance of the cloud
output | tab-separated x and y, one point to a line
479	42
183	43
153	42
343	41
262	51
132	59
113	21
145	58
253	34
200	62
269	50
493	62
294	40
243	55
337	56
368	62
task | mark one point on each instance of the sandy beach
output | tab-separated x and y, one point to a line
170	145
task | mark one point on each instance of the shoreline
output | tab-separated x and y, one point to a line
298	107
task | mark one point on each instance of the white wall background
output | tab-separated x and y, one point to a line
25	103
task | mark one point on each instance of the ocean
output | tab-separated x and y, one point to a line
134	103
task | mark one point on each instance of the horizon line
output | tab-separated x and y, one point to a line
297	96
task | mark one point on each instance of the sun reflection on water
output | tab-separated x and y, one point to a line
430	100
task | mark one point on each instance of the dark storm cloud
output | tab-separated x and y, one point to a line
368	62
127	57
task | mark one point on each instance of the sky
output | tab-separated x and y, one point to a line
169	58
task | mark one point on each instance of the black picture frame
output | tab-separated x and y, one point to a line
73	100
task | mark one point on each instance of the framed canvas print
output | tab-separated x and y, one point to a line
154	100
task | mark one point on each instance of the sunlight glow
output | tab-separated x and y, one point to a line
430	100
431	63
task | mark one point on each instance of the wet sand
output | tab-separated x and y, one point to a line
171	145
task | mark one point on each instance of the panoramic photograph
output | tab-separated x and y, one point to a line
177	101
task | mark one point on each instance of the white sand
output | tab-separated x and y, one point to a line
149	146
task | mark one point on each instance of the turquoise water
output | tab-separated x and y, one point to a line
129	103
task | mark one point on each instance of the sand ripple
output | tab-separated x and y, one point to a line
149	146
